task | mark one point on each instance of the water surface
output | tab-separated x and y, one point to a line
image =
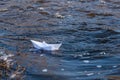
88	29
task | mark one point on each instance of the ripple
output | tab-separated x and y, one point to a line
88	29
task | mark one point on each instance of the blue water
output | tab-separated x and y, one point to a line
88	29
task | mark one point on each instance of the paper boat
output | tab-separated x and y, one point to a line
45	46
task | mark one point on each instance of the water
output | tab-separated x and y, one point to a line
88	29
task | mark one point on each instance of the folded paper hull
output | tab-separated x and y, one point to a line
45	46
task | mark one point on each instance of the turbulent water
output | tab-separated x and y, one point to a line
88	29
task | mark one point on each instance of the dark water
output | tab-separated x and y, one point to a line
88	29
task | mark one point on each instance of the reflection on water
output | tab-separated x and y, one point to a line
88	29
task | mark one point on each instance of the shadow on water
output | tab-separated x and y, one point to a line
88	29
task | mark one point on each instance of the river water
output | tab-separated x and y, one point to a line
88	29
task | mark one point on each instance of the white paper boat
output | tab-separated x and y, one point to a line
45	46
